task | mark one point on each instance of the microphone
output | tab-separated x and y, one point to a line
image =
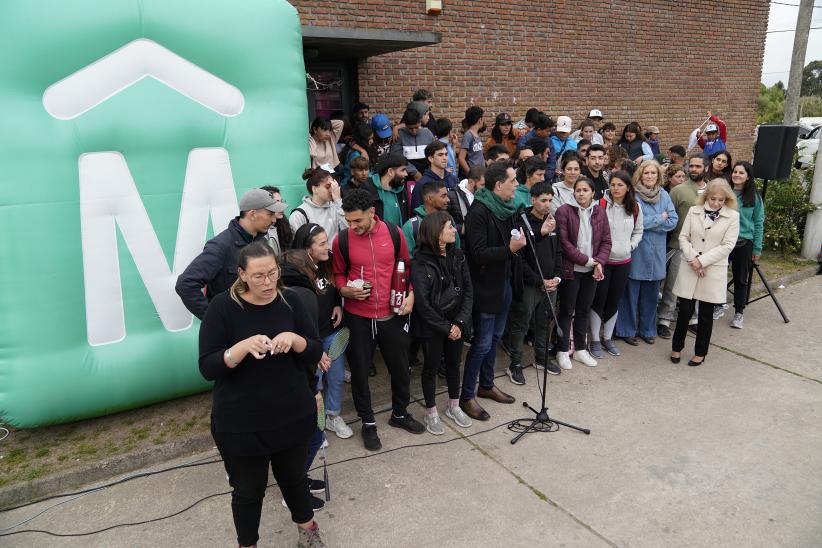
527	224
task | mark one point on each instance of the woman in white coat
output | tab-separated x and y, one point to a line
708	236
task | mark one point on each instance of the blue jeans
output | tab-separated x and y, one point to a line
314	445
488	328
334	378
640	299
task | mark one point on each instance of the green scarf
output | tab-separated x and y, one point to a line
501	210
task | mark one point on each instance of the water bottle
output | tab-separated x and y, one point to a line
399	285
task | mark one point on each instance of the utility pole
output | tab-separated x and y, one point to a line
800	46
812	242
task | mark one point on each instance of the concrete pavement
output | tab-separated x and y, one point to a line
726	454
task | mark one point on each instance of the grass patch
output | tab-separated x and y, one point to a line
37	472
42	452
86	449
139	433
16	456
775	265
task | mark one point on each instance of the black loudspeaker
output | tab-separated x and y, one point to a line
773	152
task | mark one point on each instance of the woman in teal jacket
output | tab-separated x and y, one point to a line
751	231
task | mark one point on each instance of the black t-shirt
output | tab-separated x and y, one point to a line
264	405
600	182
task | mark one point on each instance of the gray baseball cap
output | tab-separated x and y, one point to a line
257	198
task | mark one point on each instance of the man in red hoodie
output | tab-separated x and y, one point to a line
369	250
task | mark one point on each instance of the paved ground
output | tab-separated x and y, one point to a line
727	454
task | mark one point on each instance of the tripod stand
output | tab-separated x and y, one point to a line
769	291
542	422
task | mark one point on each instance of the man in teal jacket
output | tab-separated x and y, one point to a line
434	198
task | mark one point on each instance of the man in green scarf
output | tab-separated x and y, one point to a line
496	272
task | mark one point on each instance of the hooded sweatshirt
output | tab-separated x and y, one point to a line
626	231
329	216
413	147
392	201
325	293
562	195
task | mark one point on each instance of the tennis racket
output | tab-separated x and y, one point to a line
339	343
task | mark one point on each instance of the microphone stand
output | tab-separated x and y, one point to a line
542	421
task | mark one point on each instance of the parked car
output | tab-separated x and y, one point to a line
806	147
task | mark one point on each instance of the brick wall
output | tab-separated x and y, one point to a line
661	63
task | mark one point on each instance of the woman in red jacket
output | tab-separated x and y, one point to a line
585	240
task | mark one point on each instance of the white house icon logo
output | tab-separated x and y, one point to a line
109	197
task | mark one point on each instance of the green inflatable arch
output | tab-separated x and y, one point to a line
129	128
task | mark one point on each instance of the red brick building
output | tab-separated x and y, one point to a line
660	63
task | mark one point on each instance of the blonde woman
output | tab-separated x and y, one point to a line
636	315
709	234
261	353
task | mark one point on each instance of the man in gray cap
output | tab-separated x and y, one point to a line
216	267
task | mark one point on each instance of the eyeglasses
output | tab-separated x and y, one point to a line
260	279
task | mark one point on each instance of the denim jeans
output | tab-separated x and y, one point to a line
640	299
479	362
334	378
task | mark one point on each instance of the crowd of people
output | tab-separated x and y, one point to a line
414	237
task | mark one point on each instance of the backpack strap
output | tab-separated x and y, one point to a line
415	226
342	236
395	238
301	210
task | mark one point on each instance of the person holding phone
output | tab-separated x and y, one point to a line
585	240
260	347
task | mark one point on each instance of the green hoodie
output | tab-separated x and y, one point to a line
751	222
522	197
408	230
391	205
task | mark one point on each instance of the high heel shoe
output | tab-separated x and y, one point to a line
675	359
692	363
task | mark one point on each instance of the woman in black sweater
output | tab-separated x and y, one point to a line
261	350
444	297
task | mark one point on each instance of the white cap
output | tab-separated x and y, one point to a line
711	127
595	114
564	124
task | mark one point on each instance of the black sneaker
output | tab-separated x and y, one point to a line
553	368
370	439
407	423
663	331
317	504
515	374
316	486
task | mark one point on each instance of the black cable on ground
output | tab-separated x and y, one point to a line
207	497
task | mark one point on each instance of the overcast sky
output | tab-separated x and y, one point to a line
779	45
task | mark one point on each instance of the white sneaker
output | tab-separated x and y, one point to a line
347	376
458	416
583	356
737	321
338	426
719	311
564	361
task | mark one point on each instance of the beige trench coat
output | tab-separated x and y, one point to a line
712	245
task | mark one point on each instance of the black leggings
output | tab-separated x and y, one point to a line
575	297
741	264
704	326
435	348
249	477
610	290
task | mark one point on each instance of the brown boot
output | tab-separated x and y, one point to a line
495	394
473	409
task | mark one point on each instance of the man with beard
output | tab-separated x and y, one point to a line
593	169
684	197
388	189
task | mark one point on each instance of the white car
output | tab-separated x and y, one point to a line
806	147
